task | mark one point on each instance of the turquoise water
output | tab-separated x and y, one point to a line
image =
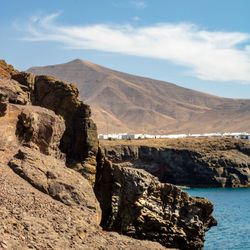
232	211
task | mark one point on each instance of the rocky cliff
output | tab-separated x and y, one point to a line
136	204
79	141
45	204
201	162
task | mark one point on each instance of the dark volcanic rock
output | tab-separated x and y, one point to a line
79	142
3	104
25	79
137	204
189	162
27	82
80	138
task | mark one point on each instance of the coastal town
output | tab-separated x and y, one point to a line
139	136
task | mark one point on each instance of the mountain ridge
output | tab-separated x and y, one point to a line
123	102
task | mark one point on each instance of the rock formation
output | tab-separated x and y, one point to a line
44	204
137	204
79	141
198	162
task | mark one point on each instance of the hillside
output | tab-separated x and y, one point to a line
58	191
126	103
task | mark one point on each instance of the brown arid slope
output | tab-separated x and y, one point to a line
195	162
50	160
128	103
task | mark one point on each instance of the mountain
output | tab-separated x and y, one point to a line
127	103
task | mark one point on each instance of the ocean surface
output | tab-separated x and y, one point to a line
232	211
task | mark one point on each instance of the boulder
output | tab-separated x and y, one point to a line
40	128
14	91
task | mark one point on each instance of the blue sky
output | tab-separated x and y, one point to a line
198	44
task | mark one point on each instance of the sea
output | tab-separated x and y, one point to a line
232	211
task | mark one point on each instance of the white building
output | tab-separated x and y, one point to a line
130	136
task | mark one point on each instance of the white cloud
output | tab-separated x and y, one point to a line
209	55
140	4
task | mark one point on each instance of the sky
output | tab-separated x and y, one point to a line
198	44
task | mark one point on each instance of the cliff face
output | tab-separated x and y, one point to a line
135	203
45	204
189	162
79	141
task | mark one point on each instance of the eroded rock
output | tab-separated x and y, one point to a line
39	127
3	104
135	203
52	177
79	142
6	70
211	162
14	91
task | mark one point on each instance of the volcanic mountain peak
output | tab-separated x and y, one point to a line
128	103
